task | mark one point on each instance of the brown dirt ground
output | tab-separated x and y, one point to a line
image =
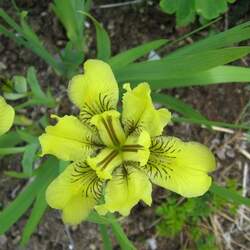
128	26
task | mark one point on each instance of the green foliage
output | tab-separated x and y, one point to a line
177	215
102	39
26	37
28	91
186	10
67	12
201	63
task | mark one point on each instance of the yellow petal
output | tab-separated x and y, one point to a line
75	192
68	140
127	187
139	111
7	114
94	92
136	147
109	128
77	209
180	167
105	162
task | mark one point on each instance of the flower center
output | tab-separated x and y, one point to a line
119	147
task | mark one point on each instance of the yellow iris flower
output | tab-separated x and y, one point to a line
118	155
7	114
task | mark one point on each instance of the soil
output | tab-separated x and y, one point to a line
127	26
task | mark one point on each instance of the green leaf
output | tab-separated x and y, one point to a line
209	123
34	84
29	158
27	38
178	106
16	174
179	66
102	39
210	9
217	75
23	201
10	139
120	236
185	12
26	136
96	218
11	151
20	84
22	120
14	96
67	12
37	212
107	244
40	98
229	195
127	57
169	6
223	39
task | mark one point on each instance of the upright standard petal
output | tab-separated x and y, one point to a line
109	127
75	192
95	91
180	167
139	111
105	162
128	186
136	147
69	139
7	114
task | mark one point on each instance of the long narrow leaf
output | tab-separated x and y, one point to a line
120	236
107	244
34	84
209	123
178	106
129	56
229	195
11	151
217	75
10	139
180	66
29	157
23	201
102	39
220	40
38	210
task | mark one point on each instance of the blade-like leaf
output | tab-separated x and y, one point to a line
180	66
10	139
220	74
229	195
120	236
29	157
34	84
102	39
209	123
178	106
129	56
221	40
23	201
107	244
38	210
11	151
96	218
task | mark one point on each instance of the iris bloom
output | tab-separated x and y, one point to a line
7	114
118	156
